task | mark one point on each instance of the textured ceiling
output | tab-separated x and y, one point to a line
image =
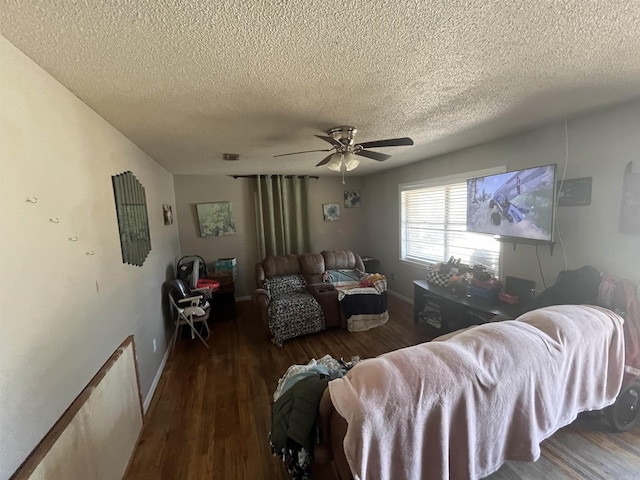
188	80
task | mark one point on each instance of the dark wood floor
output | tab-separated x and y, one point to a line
210	416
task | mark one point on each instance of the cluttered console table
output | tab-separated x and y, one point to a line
445	311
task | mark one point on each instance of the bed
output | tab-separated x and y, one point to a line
460	406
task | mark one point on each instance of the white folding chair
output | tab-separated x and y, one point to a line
189	311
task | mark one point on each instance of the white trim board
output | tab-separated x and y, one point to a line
156	380
401	297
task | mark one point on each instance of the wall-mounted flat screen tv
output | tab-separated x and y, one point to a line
517	204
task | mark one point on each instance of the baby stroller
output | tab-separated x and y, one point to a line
624	414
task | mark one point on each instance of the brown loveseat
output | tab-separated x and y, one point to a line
311	266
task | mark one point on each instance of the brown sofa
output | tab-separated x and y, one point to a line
312	267
512	417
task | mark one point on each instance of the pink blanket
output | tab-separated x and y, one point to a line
459	407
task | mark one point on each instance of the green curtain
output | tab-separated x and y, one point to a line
282	220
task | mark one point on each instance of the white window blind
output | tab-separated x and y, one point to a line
434	228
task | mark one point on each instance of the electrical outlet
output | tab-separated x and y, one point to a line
393	276
155	347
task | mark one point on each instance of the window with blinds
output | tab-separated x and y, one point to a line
434	224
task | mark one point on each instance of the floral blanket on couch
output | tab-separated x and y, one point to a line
362	297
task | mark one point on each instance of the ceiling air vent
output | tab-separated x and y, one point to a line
230	156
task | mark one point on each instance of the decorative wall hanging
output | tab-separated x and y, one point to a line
630	205
167	214
216	219
351	198
575	191
331	212
133	221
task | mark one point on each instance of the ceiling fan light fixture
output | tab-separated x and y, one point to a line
350	161
339	159
335	163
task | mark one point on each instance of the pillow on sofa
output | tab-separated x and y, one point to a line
285	284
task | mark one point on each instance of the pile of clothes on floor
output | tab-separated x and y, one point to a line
294	411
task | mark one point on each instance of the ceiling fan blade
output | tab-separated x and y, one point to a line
325	160
306	151
391	142
373	155
331	140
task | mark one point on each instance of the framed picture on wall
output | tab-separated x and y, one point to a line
216	219
167	214
574	191
351	198
331	212
630	206
133	219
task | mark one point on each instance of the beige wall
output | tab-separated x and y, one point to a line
63	312
600	146
193	189
345	233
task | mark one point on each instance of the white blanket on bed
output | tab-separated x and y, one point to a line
459	407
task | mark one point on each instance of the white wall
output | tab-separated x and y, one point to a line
344	234
63	312
600	146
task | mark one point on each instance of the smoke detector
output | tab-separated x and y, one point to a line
231	157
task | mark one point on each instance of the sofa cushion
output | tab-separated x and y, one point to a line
276	265
285	285
312	266
342	260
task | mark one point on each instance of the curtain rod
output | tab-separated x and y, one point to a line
285	176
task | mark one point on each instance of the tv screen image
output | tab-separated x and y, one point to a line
517	204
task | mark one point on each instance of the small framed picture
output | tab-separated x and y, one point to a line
167	214
331	212
574	191
351	198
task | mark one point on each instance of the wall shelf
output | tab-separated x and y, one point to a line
527	241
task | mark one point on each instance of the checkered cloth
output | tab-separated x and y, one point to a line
437	278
